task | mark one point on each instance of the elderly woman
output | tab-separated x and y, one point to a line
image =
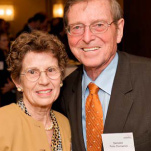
37	62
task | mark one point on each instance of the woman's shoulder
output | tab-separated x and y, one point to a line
60	116
9	111
61	120
9	117
8	108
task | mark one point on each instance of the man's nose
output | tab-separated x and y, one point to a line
88	36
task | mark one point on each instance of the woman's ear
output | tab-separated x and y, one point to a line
120	28
18	85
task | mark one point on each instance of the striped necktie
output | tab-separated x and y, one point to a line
94	119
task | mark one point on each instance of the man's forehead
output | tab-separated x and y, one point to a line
83	5
91	9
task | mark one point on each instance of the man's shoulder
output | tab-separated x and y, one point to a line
135	65
74	75
134	58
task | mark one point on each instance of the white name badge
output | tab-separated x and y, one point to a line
1	65
118	142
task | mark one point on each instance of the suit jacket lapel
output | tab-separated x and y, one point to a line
77	92
121	97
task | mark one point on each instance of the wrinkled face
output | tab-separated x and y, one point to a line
94	50
4	42
44	91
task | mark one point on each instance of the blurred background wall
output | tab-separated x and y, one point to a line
24	9
137	32
137	15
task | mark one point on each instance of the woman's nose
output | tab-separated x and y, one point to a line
43	79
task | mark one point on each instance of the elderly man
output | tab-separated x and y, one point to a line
118	83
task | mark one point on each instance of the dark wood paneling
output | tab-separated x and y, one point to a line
137	32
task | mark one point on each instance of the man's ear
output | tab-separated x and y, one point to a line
120	28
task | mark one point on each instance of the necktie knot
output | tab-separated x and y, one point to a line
93	88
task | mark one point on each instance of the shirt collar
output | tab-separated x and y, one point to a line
105	79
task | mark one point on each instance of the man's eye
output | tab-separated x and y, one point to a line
98	25
77	27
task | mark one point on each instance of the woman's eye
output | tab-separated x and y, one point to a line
51	70
31	71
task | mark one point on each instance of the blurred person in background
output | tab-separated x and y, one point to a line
28	27
2	25
41	21
57	29
5	27
7	87
38	22
36	61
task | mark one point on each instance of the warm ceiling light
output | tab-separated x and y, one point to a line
58	10
1	12
7	12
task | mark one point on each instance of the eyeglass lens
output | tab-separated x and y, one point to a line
97	27
34	74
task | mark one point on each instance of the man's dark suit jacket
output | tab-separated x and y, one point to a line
130	103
